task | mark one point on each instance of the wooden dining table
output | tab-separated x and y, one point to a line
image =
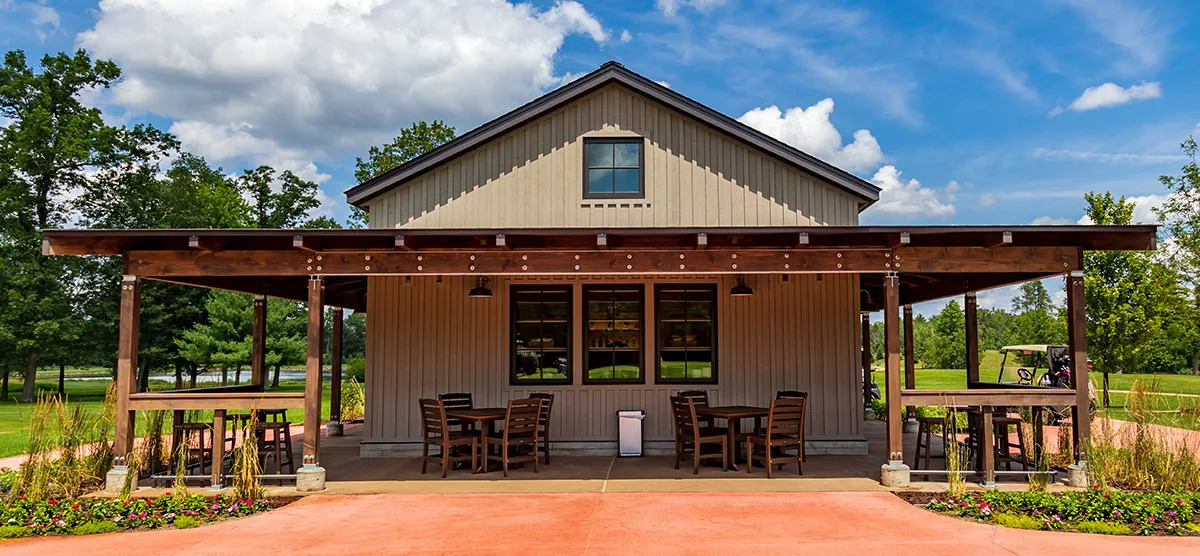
485	419
733	415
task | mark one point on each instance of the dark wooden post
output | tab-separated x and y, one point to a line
866	360
312	372
258	344
969	308
910	359
891	342
127	364
218	449
1077	337
335	368
987	447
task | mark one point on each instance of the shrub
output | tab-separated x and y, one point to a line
186	522
1018	521
356	368
1105	528
353	401
94	528
13	531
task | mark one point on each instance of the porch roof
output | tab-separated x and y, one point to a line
941	260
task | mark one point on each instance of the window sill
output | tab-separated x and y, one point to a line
614	203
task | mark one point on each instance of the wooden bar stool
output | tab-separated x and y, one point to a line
198	439
279	445
1004	452
925	439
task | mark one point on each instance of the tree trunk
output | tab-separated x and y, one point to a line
143	376
224	376
30	386
237	375
178	377
1196	362
62	376
193	371
275	379
4	386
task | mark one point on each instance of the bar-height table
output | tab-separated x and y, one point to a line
733	415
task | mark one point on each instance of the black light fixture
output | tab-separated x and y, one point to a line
741	289
480	289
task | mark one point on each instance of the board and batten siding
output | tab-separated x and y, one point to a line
426	337
532	177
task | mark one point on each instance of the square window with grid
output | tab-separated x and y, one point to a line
613	168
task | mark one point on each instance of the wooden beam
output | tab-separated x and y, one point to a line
1020	397
1077	340
185	400
312	372
402	244
866	360
910	359
971	314
891	341
127	366
335	367
258	343
989	259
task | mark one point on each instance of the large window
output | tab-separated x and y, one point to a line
613	334
613	168
686	316
541	335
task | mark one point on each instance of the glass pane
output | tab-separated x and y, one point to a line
554	365
529	335
675	335
626	180
556	310
600	155
701	334
626	155
699	364
700	310
600	310
527	365
630	311
673	364
600	364
671	309
554	335
600	181
627	364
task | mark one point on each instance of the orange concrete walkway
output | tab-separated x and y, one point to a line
602	523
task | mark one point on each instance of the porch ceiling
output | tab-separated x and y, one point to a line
933	261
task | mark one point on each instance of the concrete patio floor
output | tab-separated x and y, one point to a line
601	523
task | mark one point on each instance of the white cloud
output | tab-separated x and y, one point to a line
910	198
666	84
625	36
1129	158
1130	26
987	200
1051	221
1111	94
307	81
810	130
671	7
1144	206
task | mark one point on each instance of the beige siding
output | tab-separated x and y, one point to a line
533	177
425	337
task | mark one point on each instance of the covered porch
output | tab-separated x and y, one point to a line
888	268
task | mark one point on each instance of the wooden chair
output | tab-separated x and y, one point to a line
279	445
458	400
700	399
544	422
521	424
691	437
436	432
797	395
785	431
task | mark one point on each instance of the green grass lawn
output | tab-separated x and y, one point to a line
14	416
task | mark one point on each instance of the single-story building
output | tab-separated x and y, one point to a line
612	242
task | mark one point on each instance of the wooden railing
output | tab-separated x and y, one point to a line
1023	396
191	399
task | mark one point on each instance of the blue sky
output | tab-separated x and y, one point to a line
1002	112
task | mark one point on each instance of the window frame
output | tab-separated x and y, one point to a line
641	142
658	335
586	320
513	291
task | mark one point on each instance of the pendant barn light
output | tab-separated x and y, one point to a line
480	289
741	289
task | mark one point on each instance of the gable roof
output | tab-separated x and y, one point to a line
613	72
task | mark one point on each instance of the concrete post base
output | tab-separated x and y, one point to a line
895	474
114	482
869	414
910	426
310	479
1077	475
333	428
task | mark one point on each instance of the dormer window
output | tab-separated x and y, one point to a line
613	168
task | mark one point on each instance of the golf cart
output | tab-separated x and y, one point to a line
1054	362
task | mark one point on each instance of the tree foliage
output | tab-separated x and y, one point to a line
418	139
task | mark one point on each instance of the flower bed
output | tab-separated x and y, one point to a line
22	517
1095	510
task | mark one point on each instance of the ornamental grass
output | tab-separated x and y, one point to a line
1141	455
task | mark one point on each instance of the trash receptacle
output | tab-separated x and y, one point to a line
629	431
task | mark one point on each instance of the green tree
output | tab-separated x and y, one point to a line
52	144
277	200
418	139
947	342
1036	317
